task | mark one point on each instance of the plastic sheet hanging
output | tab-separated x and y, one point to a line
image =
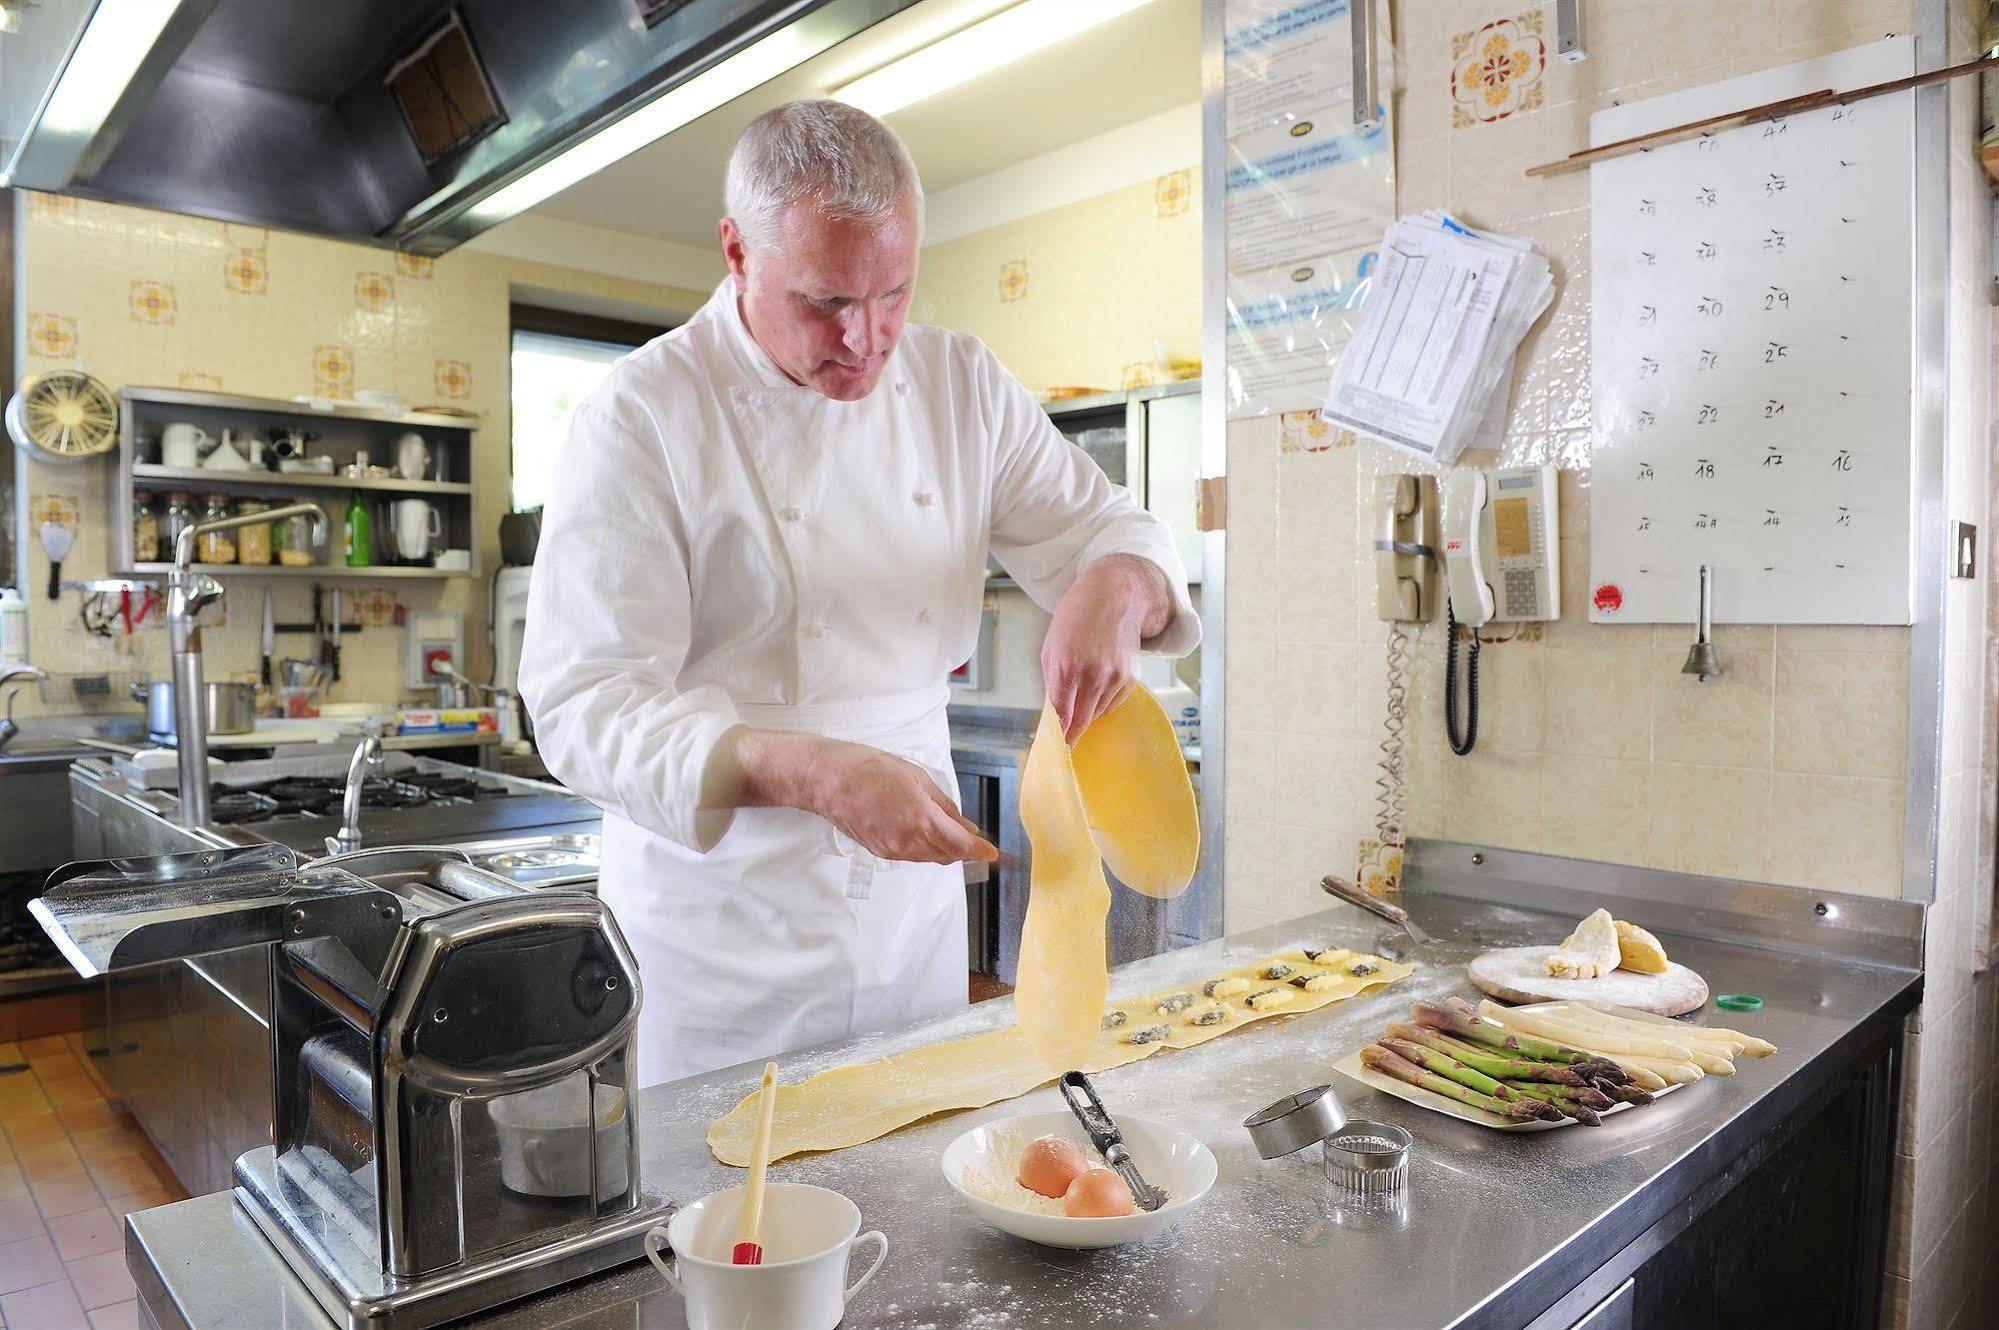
1308	195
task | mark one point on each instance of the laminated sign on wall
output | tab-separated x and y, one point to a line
1307	195
1751	353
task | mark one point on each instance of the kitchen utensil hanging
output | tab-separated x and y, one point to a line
63	415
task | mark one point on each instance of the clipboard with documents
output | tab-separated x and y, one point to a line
1431	368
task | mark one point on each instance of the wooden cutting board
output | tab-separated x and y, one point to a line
1520	974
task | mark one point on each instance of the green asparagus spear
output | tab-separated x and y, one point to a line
1391	1064
1477	1029
1562	1095
1446	1065
1629	1094
1485	1059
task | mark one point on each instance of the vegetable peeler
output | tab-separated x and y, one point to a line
1104	1134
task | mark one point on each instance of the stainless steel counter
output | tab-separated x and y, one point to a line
1496	1230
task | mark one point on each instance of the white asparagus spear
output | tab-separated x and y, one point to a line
1547	1025
1749	1044
1679	1073
1693	1036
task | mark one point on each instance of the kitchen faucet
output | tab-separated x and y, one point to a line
8	729
367	756
188	593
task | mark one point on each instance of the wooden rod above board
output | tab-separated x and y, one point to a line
1777	110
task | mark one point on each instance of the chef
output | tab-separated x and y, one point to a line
763	553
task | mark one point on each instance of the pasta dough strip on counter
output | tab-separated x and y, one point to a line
852	1105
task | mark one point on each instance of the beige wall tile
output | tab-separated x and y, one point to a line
1598	703
1725	721
1709	820
1842	712
1595	808
1839	833
1493	798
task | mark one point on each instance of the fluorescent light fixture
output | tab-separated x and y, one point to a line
985	46
114	43
749	68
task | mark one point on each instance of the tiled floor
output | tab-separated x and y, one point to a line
71	1167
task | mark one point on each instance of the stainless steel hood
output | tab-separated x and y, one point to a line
302	114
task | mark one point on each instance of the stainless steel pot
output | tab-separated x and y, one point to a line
232	707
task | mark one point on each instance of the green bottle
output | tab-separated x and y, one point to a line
358	543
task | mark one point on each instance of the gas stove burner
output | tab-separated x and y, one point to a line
324	796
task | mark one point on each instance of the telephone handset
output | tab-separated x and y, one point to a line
1502	560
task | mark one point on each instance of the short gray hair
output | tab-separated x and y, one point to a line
849	165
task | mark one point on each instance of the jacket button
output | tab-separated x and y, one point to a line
815	631
902	390
924	498
792	514
923	616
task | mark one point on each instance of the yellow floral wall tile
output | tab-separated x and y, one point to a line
1496	70
205	382
52	335
1013	281
332	371
151	302
51	207
375	607
374	290
247	272
1173	193
453	379
1140	374
1309	432
53	510
414	265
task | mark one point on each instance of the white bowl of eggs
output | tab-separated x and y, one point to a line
1037	1177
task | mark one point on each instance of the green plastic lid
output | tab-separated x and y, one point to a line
1739	1002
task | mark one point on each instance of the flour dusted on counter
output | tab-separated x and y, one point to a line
993	1177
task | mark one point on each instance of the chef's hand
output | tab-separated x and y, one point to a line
1090	656
889	805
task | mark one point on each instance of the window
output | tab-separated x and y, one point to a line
557	359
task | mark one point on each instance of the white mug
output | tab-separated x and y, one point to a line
808	1234
180	444
416	525
412	456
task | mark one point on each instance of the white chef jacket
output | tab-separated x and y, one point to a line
723	547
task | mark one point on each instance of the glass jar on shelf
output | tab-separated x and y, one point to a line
145	528
179	517
217	546
292	540
253	542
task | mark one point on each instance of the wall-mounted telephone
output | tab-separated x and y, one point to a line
1502	560
1405	548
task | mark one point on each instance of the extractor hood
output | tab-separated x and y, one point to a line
415	124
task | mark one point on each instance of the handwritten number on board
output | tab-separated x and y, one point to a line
1777	297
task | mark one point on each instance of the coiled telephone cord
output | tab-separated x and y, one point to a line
1461	744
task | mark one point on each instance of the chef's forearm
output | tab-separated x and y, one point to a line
770	769
1136	590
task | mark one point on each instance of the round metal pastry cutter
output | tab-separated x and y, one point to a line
1296	1121
1370	1158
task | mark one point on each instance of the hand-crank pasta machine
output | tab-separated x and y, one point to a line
453	1125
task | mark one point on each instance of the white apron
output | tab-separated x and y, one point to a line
787	933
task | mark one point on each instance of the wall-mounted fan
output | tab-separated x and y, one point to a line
63	416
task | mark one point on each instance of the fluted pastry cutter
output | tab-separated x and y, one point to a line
1104	1134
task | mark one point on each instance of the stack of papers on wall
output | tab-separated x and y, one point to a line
1431	369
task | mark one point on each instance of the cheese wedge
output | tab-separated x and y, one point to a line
1588	953
1639	950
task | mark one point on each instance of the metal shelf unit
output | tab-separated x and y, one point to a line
343	430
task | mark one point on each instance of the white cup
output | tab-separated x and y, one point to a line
180	444
412	456
416	525
808	1234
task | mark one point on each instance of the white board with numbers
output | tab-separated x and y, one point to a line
1752	354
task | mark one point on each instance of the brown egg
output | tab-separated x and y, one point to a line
1049	1165
1097	1194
